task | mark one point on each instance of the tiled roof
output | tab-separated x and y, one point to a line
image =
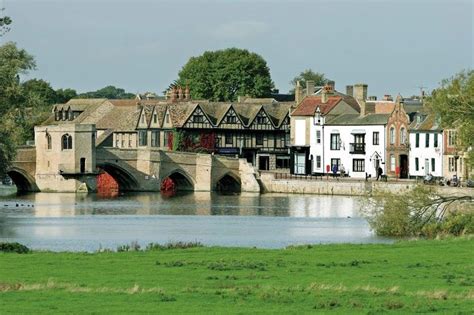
310	103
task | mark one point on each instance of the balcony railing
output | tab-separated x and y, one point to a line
357	148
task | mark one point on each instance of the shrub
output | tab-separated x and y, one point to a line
14	248
175	245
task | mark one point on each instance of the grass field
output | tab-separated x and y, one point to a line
406	277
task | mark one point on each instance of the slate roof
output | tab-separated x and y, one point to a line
426	123
356	119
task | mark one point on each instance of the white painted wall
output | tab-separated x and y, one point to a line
300	131
426	154
371	150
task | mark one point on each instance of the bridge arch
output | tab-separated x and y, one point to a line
125	180
24	182
182	180
229	183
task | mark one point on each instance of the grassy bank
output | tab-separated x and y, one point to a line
421	276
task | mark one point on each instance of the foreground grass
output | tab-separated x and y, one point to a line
421	276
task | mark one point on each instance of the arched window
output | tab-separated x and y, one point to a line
48	141
403	135
392	135
66	142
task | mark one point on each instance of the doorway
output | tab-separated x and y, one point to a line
403	166
83	165
264	163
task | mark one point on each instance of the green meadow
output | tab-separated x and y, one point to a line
435	276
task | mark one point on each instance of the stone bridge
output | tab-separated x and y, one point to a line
139	170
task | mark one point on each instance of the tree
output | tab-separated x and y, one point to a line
453	101
223	75
110	92
5	22
421	212
308	75
64	95
38	93
13	63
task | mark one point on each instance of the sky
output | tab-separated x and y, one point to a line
395	47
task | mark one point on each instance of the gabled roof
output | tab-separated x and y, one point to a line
215	111
247	112
277	112
310	103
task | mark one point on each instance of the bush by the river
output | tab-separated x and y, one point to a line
134	246
14	248
420	213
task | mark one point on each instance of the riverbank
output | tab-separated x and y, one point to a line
272	182
415	276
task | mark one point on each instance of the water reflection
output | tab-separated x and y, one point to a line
86	222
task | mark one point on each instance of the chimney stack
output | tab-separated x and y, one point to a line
350	90
387	97
332	84
372	98
187	93
180	93
324	94
173	94
309	87
360	94
298	93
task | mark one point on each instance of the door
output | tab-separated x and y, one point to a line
427	166
300	164
403	166
83	165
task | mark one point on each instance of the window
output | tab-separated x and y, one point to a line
433	168
143	118
167	117
336	162
335	141
259	139
155	138
155	118
48	141
417	140
375	138
318	161
282	162
229	139
451	138
198	118
403	135
427	140
435	140
261	119
392	162
392	135
417	164
452	165
318	136
231	119
358	165
129	140
122	137
66	142
167	138
142	138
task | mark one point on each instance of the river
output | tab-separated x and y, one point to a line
79	222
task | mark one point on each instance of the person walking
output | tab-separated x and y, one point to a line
379	173
342	170
334	170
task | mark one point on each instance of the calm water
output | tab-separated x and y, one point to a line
86	222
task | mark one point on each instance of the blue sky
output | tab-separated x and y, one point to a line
393	46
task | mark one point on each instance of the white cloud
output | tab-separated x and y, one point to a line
240	30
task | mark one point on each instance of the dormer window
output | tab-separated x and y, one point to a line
198	118
261	119
317	116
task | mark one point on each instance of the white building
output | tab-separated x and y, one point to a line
355	144
307	128
426	147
